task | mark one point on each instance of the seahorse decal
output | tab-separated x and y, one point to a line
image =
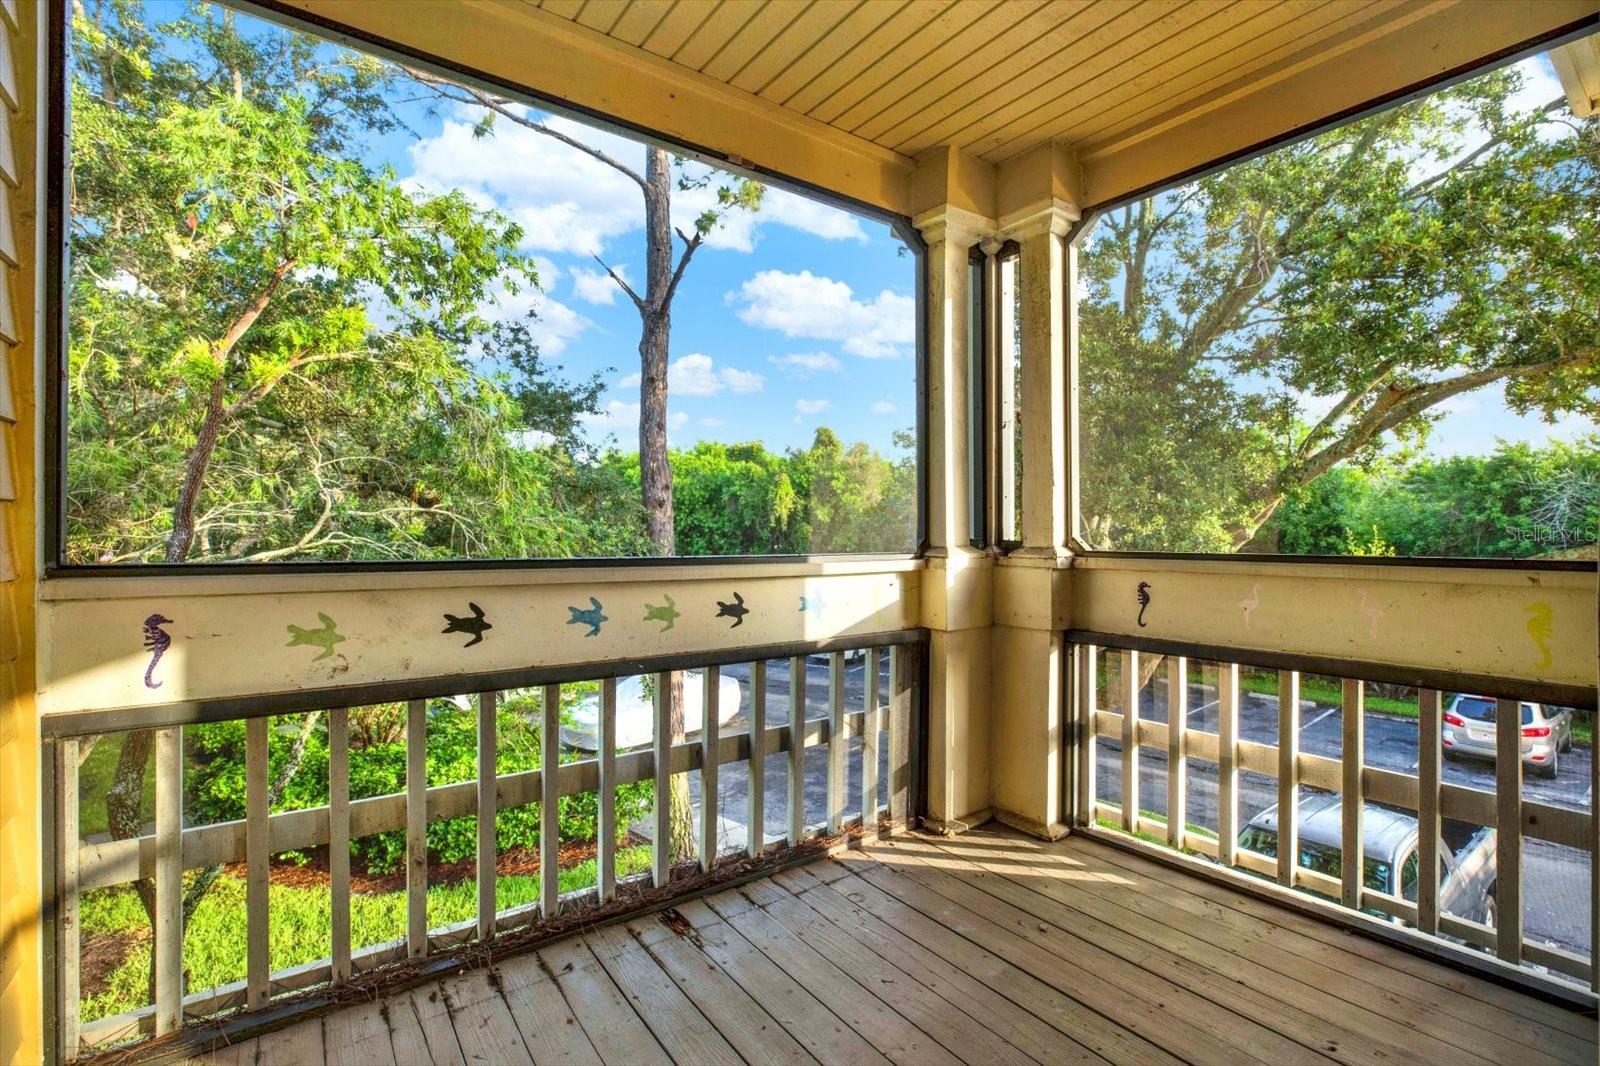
1144	600
156	642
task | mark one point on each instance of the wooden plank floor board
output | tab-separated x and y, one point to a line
616	1034
1358	1011
765	1016
1136	999
483	1023
1319	1022
884	1028
1476	1003
432	1015
962	1034
674	1020
359	1036
548	1025
988	949
1066	1014
1029	1034
406	1036
299	1043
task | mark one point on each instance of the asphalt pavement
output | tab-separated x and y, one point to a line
1555	878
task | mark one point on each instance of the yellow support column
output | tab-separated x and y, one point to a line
1029	695
956	593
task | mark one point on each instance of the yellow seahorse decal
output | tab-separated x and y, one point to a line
1541	627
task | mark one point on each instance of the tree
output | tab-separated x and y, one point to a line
662	278
273	345
1440	247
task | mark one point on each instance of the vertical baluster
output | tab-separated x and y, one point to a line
1594	850
797	750
869	752
488	803
1288	775
1177	748
550	805
1428	766
836	743
1086	738
1227	761
606	846
710	735
339	841
1352	859
907	785
755	820
67	901
257	853
1508	827
416	828
661	854
1130	740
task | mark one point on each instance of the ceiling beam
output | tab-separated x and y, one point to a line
516	44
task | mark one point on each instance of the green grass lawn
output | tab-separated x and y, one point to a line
214	942
94	781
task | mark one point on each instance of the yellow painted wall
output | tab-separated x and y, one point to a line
21	977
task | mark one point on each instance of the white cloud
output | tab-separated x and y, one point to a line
811	216
741	380
528	439
698	375
883	407
711	422
819	308
804	364
623	418
803	408
568	201
564	199
597	287
554	323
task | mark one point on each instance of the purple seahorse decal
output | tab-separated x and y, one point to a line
156	641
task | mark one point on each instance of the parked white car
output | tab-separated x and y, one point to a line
636	712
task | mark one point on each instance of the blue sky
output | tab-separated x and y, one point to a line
796	316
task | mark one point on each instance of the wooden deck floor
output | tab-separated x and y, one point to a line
992	948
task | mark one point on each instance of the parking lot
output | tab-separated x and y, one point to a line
1555	878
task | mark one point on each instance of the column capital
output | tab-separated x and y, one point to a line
1052	215
953	224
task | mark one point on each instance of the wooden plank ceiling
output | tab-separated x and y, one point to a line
992	77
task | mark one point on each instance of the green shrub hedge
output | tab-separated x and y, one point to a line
214	774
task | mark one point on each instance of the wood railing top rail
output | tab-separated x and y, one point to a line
192	712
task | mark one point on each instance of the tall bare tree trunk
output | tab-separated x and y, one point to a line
655	471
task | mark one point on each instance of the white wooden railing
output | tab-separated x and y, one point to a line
163	856
1514	817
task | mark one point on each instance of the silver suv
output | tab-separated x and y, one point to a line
1389	843
1467	728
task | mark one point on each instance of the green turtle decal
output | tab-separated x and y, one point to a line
666	613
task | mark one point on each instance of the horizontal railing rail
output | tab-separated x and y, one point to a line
162	856
1514	817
